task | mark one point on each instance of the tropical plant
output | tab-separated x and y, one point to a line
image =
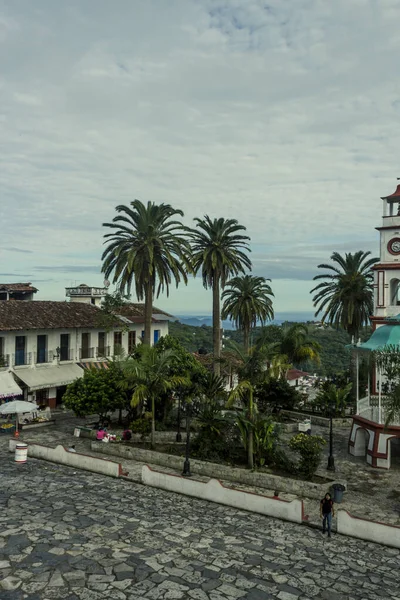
247	301
245	419
150	378
309	447
296	346
345	299
147	247
275	394
219	252
392	406
332	397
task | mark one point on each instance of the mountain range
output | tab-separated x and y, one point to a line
199	320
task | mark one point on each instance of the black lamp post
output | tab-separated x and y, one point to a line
186	464
331	460
179	435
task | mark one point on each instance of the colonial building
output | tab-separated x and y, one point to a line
45	345
369	437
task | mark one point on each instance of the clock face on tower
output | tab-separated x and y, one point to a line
394	246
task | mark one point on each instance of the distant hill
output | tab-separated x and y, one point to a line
200	320
334	355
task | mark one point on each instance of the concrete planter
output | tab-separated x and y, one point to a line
28	426
316	419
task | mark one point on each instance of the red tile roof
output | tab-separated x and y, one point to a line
17	287
134	311
293	374
395	196
16	315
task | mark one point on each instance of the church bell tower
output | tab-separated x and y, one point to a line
387	271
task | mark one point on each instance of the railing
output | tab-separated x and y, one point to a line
86	353
102	351
65	354
368	408
22	358
4	360
43	356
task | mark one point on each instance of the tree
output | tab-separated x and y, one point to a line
147	248
150	378
333	397
296	345
97	392
219	251
247	300
309	447
275	394
345	299
244	392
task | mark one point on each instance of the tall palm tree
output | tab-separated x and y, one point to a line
219	251
244	392
345	299
148	248
293	348
150	377
247	300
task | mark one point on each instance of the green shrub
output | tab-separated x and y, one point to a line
141	426
309	447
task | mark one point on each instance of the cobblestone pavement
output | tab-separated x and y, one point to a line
81	536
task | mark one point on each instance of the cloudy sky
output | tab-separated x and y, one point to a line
283	115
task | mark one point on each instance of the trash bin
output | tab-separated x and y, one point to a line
338	490
77	432
21	453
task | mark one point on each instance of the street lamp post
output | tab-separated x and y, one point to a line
331	460
186	464
179	435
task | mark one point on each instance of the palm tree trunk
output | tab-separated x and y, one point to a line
148	313
216	326
153	424
246	339
250	450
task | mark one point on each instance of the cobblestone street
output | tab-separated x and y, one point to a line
76	535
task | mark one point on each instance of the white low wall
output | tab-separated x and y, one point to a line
73	459
380	533
214	491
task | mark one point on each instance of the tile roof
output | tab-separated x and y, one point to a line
293	374
133	311
17	287
16	315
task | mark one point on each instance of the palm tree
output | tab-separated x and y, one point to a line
247	301
150	377
345	299
245	420
218	250
147	248
293	348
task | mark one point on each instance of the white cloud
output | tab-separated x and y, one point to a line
283	116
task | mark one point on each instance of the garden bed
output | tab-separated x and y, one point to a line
261	479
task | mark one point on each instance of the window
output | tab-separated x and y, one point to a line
117	342
101	350
85	350
64	346
395	292
156	335
41	348
131	341
20	344
1	347
93	300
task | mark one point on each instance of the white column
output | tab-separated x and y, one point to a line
357	380
379	395
369	382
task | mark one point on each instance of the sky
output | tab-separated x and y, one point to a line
282	115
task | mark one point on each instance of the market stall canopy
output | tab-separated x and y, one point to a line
47	377
8	386
17	407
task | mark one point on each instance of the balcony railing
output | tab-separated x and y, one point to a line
102	351
65	354
22	358
86	353
369	409
4	360
43	356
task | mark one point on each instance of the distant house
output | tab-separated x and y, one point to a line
45	345
17	291
296	378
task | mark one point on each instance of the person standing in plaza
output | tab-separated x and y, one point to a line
326	512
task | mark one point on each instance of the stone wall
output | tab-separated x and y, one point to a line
389	535
214	491
213	470
316	419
